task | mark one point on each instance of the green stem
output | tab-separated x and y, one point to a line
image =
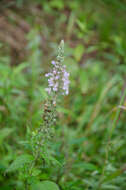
110	136
117	114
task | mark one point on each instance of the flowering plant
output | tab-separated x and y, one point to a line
40	139
58	84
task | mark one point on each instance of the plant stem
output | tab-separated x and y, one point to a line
117	114
110	135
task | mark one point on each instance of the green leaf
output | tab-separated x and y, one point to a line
77	141
78	52
4	133
85	166
20	67
59	4
45	185
19	162
82	25
55	162
109	187
35	172
113	175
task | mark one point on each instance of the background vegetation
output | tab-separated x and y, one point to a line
90	138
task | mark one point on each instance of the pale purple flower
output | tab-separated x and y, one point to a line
58	78
53	62
48	90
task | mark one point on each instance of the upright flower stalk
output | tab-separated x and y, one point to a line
58	84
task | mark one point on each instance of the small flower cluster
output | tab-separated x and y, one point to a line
58	81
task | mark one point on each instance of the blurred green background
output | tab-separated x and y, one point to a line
94	32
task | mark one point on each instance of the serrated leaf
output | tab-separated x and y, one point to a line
20	162
45	185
